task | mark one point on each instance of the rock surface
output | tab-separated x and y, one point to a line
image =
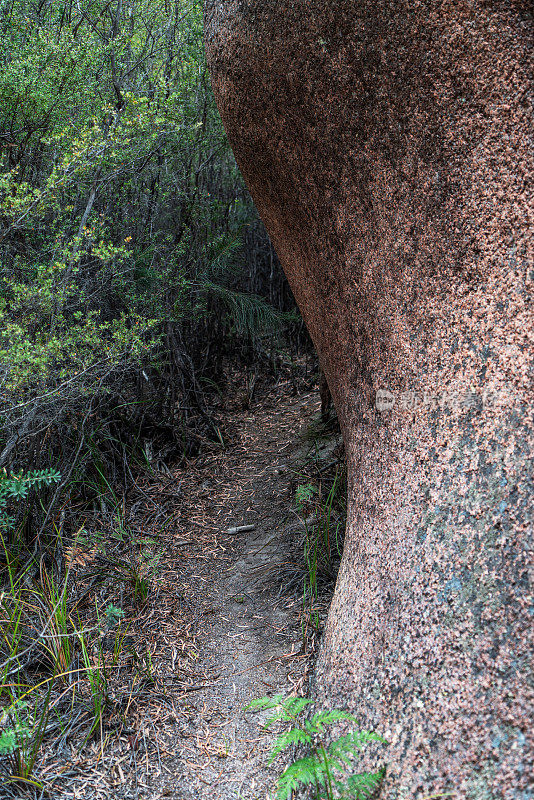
386	145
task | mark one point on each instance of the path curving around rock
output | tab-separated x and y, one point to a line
244	637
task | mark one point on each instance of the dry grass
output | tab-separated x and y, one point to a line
156	724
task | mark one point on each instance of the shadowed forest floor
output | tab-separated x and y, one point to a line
226	625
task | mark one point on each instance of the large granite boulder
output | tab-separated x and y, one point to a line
386	144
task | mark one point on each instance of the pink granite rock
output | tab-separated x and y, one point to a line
386	144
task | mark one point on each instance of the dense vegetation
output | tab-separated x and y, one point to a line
132	259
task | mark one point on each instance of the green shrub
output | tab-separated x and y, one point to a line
123	227
328	767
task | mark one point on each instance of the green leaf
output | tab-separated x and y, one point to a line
295	705
353	742
250	313
261	703
8	742
305	771
362	786
294	736
323	718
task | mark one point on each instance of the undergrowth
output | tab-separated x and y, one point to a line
328	765
320	497
61	662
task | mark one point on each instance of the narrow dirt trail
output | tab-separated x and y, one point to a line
229	632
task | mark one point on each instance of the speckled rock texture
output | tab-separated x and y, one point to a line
386	144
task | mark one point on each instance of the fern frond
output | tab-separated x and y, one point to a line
262	703
294	736
224	254
323	718
305	771
325	769
352	742
250	313
296	705
277	702
278	716
339	761
363	786
287	783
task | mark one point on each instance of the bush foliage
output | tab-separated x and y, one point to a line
130	251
